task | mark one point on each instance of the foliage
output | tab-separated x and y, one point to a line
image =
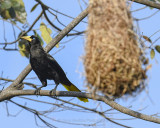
152	53
45	32
34	7
13	9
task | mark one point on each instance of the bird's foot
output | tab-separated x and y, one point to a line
37	91
53	92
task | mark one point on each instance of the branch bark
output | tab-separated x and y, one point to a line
12	93
148	3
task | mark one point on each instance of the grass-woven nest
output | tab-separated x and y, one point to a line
113	59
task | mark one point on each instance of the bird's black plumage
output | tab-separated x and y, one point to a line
46	67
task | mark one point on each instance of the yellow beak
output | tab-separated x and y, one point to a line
28	38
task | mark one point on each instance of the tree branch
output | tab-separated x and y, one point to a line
95	111
12	93
54	26
148	3
27	83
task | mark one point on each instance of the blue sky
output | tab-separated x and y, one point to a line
69	57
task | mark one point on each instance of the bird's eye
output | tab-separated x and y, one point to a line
32	36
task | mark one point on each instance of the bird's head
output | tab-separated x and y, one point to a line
31	39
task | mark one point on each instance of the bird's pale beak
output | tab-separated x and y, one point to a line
28	38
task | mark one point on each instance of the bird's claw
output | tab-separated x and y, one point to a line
53	91
37	91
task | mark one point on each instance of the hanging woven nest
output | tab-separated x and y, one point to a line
113	60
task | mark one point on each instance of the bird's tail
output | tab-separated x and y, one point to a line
74	88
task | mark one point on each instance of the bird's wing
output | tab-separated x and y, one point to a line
54	64
43	68
63	79
59	70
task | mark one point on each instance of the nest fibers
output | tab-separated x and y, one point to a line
113	59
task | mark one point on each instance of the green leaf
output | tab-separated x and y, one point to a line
157	47
34	7
13	9
5	4
45	33
147	39
5	14
21	14
23	46
152	53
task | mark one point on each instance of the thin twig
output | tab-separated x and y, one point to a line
7	94
95	111
148	3
8	43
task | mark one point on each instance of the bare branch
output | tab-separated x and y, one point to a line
12	93
148	3
47	7
95	111
27	83
35	112
25	31
57	28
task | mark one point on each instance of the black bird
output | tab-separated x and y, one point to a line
46	67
